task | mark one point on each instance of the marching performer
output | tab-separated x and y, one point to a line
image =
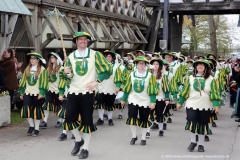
86	68
63	87
217	76
129	63
201	95
174	68
163	93
149	56
140	53
125	74
52	103
33	86
156	55
108	89
190	68
140	90
201	57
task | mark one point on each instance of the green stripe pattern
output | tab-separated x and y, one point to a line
43	82
215	94
184	94
87	129
152	86
194	127
70	125
132	121
22	84
103	67
145	124
31	112
127	88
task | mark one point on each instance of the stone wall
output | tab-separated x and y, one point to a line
5	111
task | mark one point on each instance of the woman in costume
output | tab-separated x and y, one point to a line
52	103
156	55
140	90
108	89
176	70
202	96
218	77
63	87
125	74
129	62
33	86
163	93
190	67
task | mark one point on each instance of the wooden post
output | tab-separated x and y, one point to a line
154	33
60	32
175	34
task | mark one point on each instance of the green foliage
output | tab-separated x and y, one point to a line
4	93
15	117
200	33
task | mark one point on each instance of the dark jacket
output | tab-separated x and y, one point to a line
10	76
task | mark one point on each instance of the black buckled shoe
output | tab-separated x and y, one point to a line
143	142
237	120
154	126
214	124
73	137
169	120
192	146
62	137
110	122
164	126
200	148
132	142
43	125
119	116
161	133
58	125
105	116
206	138
210	132
77	147
30	131
99	122
35	133
83	154
147	134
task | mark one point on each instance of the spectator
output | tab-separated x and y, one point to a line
235	69
17	64
10	77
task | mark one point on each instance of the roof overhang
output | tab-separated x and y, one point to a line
14	7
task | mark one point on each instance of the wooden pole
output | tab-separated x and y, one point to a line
61	37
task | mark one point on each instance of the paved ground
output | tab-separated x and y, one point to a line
112	143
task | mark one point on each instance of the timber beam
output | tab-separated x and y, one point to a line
90	11
50	24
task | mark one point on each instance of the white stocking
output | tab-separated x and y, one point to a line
46	113
30	121
86	137
134	131
37	122
76	134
